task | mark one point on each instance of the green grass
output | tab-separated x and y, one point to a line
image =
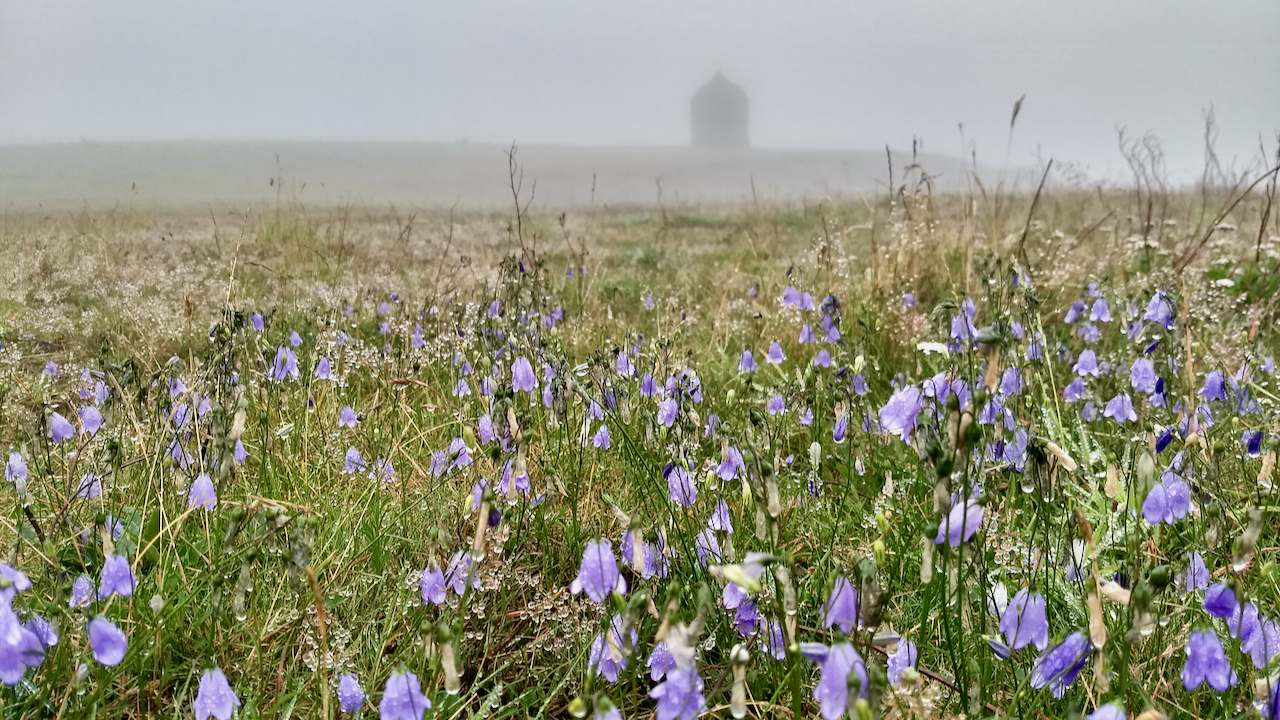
715	276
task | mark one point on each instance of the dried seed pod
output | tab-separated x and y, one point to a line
926	559
1247	544
237	425
1101	674
790	610
992	377
953	430
449	666
941	497
215	599
672	606
870	599
1097	625
762	524
1143	624
963	431
1061	455
1086	530
617	653
1115	592
244	585
637	550
1262	687
738	695
482	524
512	424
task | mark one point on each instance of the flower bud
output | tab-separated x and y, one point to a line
1160	577
854	683
1146	476
737	575
1141	596
882	522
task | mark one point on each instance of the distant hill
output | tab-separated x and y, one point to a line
175	175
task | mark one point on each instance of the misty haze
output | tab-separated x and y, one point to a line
412	103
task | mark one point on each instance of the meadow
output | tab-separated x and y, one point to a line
983	453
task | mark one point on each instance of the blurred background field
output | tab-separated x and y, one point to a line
192	176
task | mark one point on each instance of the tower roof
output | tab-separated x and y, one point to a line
720	88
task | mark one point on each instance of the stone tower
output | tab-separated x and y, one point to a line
719	114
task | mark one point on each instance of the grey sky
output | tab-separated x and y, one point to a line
820	73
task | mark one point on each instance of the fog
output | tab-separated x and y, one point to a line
819	73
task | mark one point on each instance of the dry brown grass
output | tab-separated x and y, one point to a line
77	285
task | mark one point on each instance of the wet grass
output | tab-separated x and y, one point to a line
309	566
